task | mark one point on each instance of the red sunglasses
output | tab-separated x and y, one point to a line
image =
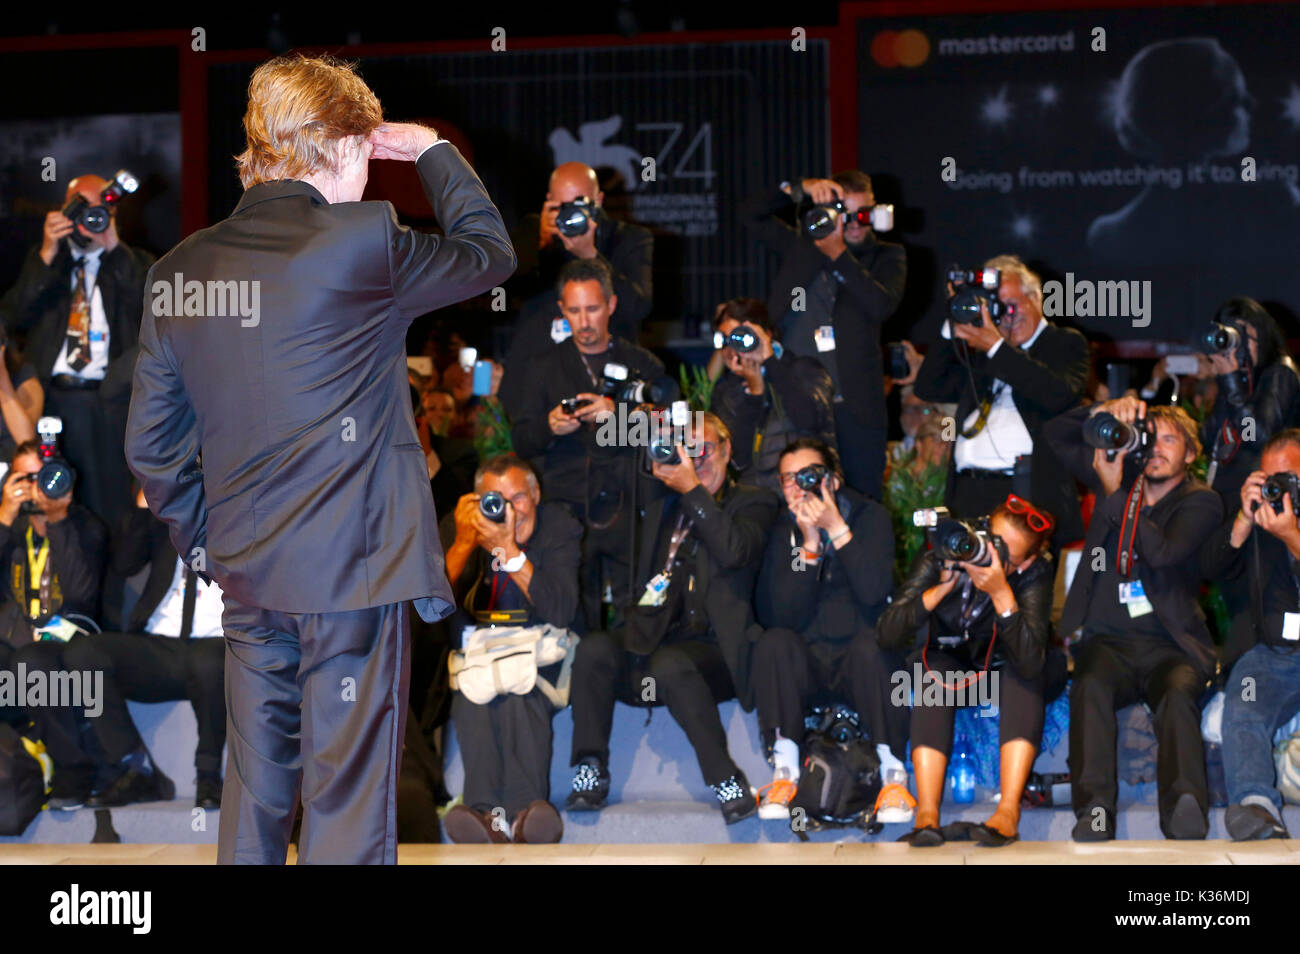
1037	520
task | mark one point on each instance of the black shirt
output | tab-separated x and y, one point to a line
1106	614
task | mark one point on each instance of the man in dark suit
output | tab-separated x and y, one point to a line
310	504
1025	371
690	636
79	297
627	250
1135	598
829	300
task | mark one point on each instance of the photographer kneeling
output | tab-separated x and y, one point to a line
982	619
1135	596
513	563
826	578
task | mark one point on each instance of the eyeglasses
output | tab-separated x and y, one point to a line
1037	520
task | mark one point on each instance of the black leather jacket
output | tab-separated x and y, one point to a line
1273	404
1021	638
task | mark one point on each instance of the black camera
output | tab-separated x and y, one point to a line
56	477
1218	339
571	218
971	288
819	221
742	338
95	218
620	386
493	506
1107	432
571	405
1280	486
898	366
668	429
810	478
961	541
1226	340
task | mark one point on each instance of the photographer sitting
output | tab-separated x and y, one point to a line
1135	596
170	648
835	289
79	297
987	618
513	562
51	561
545	246
770	397
1008	378
586	461
825	579
1262	693
688	638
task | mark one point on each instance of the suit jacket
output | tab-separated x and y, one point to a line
1046	380
311	494
141	540
1170	536
729	534
870	282
41	298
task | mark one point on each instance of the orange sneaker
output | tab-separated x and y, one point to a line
895	805
774	800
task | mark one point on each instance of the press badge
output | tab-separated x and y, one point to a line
560	329
1291	626
1133	597
824	338
654	591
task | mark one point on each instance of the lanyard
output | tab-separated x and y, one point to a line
1129	526
675	542
36	564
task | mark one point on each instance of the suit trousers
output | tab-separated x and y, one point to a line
789	674
690	677
506	747
147	668
862	452
316	704
1111	672
94	432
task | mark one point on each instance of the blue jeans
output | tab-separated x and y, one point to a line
1272	700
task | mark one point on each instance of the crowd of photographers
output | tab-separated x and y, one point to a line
761	537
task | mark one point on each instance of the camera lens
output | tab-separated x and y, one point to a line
493	506
819	221
742	338
661	450
810	478
964	306
95	218
55	479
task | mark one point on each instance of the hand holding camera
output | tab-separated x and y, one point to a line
573	223
1116	429
485	520
678	475
57	227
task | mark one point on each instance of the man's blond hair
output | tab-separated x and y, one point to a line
299	107
1030	283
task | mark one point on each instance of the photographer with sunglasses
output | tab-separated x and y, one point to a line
967	622
826	577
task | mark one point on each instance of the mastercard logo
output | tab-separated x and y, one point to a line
892	48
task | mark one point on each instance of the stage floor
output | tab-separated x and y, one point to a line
1031	852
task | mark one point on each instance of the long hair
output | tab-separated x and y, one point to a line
1272	346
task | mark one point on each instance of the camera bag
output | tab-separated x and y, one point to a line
498	661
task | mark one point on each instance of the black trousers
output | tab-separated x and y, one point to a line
10	714
605	556
687	676
1111	672
970	497
146	668
316	705
64	729
1020	703
506	747
862	452
94	432
788	674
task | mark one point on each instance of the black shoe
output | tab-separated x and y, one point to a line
958	831
1084	830
1187	822
1253	823
736	797
590	787
991	837
69	791
928	837
132	786
208	794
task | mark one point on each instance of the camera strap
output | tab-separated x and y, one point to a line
39	579
1128	527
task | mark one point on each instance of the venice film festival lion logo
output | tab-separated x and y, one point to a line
592	148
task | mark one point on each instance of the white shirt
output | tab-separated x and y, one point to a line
166	619
94	371
1004	436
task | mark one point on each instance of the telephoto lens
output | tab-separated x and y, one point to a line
810	478
819	221
493	506
1218	339
1107	432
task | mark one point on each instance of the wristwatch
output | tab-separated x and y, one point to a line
515	564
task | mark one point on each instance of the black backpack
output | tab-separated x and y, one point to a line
22	783
841	775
